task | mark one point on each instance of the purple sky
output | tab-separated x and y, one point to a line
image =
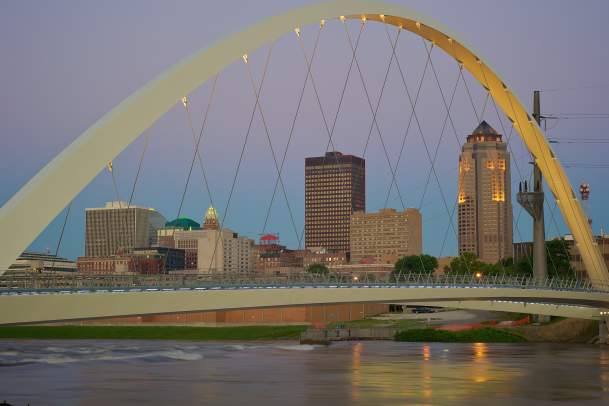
66	63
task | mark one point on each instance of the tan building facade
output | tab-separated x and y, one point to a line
334	188
118	226
484	196
209	249
224	251
386	236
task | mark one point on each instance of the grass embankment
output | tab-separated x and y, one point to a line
151	332
483	335
561	331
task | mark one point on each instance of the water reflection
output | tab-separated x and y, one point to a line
360	373
604	370
356	382
438	373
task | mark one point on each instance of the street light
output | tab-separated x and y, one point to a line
478	275
355	279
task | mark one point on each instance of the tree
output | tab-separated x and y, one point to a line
318	269
558	259
466	263
415	263
520	268
469	264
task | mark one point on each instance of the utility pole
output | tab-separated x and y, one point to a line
531	198
540	264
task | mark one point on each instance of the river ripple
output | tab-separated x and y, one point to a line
360	373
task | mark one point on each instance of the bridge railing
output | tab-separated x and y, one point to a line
77	281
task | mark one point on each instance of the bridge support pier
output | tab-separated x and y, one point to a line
603	330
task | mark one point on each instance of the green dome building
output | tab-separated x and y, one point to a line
183	223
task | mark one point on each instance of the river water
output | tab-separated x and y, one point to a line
360	373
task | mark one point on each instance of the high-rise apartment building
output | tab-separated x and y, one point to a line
335	187
386	236
485	204
118	226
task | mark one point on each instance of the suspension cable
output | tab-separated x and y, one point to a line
413	111
342	94
63	228
110	168
378	103
139	168
186	105
196	151
508	141
291	132
321	110
511	152
413	108
435	157
268	136
478	119
361	76
340	101
541	186
469	95
238	166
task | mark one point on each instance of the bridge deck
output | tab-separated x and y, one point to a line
41	298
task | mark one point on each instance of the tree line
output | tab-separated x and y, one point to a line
468	263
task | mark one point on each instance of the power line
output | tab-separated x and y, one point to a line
576	116
569	89
587	165
578	140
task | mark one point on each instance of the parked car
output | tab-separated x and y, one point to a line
423	309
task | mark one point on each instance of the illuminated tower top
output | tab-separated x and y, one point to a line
484	133
210	221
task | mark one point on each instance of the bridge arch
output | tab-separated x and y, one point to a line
68	173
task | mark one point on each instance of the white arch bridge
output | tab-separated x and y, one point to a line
31	209
45	298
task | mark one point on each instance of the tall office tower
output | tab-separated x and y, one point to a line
485	204
335	187
118	227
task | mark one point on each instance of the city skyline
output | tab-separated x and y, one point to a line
304	202
165	176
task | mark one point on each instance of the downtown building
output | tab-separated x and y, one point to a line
181	233
271	257
335	187
143	261
39	262
484	196
209	249
119	227
386	236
